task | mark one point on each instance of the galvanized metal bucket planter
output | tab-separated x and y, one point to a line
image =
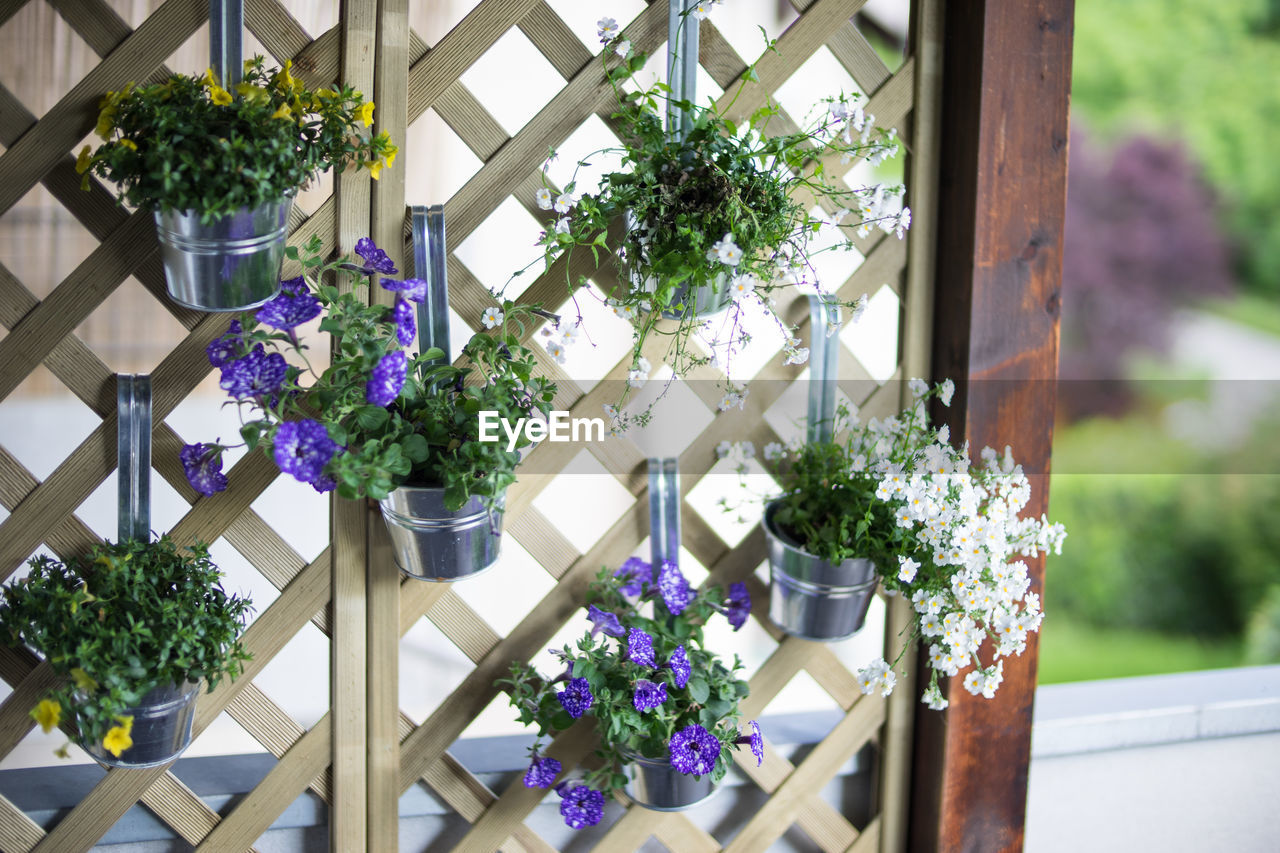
810	597
705	301
161	728
436	544
228	265
656	785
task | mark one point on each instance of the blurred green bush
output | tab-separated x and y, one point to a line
1203	72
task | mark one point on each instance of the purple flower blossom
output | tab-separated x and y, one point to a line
694	750
291	307
604	621
406	326
227	347
675	590
576	698
203	466
413	289
324	483
255	375
649	695
303	448
581	806
737	605
374	258
636	574
757	743
387	379
542	772
640	648
679	665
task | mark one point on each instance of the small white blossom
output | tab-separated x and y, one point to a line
796	355
947	392
742	286
859	308
556	350
491	317
918	387
543	197
622	48
877	676
563	204
608	28
562	225
726	251
773	451
907	569
703	9
933	698
570	333
610	411
723	449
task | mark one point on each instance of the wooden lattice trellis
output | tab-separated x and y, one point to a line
363	754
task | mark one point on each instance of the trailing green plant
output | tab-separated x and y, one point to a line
643	674
188	144
941	531
119	622
376	417
723	208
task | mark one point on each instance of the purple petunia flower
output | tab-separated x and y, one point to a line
576	698
303	448
649	695
542	772
413	289
387	379
678	663
636	573
581	806
640	648
604	621
291	307
227	347
255	375
406	325
324	483
374	258
203	466
694	750
737	605
757	743
675	590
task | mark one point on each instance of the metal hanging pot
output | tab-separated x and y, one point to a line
161	728
436	544
656	785
230	264
705	300
810	597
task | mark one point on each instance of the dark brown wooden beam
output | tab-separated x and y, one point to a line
1001	205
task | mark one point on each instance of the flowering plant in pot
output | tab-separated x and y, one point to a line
130	630
714	218
379	422
219	167
665	708
895	498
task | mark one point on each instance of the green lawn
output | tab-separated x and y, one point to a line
1071	651
1258	312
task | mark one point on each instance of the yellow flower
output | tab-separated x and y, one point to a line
284	112
391	152
220	96
249	65
48	714
364	112
129	143
375	168
106	121
210	80
83	680
118	739
84	161
253	94
61	751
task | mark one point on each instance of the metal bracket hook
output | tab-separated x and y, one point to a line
226	50
824	350
664	511
682	65
429	264
133	454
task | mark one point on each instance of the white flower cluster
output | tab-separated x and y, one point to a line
703	10
557	342
964	522
738	452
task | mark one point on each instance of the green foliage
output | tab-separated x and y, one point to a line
727	179
710	698
188	144
1072	649
1204	72
1262	639
129	617
429	436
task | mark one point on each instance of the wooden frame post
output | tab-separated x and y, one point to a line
1001	206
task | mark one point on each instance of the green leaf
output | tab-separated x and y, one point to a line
699	690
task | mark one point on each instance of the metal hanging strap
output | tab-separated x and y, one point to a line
664	511
682	65
429	264
226	50
824	349
133	455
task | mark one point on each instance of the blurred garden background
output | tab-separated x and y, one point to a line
1166	470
